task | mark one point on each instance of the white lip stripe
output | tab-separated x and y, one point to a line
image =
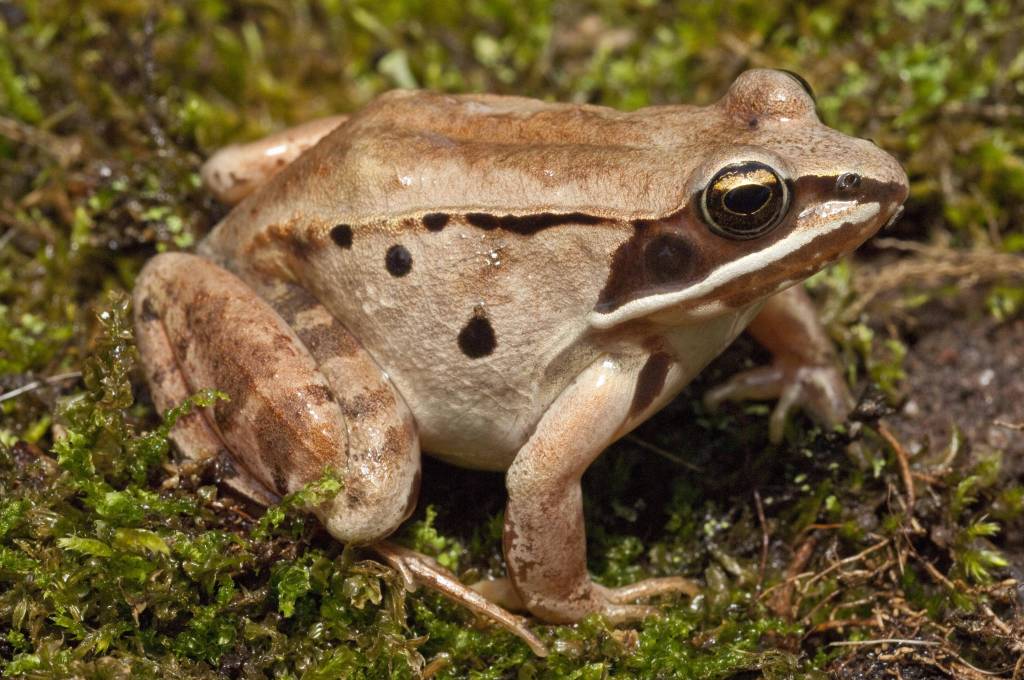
842	212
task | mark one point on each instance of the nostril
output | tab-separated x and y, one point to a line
848	181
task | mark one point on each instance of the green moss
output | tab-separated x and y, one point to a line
114	562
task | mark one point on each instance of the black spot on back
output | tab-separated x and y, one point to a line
529	224
435	221
477	339
650	382
398	260
342	235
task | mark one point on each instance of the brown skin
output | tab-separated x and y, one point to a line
513	283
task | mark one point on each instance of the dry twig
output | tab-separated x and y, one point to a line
36	384
904	462
782	598
64	149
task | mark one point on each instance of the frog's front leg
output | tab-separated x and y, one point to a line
544	539
805	372
305	397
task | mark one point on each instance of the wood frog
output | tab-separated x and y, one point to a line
508	284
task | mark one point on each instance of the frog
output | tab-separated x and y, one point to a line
510	285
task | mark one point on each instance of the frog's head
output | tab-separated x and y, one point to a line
773	197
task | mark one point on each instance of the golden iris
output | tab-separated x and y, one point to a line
744	200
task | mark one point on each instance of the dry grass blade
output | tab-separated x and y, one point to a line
65	150
930	266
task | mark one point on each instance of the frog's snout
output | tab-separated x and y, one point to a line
890	182
894	194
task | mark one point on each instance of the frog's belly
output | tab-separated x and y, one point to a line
476	434
479	331
483	423
479	419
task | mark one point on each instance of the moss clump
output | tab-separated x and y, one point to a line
114	561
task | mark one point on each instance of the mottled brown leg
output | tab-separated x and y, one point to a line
804	372
193	435
382	435
545	541
288	421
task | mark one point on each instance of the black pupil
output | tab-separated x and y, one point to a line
747	199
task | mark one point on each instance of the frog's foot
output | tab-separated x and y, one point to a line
652	587
620	603
616	605
820	390
418	569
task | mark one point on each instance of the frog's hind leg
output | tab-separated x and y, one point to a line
340	358
194	434
236	171
304	400
305	396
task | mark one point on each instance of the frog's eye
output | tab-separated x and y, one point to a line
744	200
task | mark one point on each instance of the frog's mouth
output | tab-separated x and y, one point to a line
821	233
825	232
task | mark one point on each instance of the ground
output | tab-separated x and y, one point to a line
891	548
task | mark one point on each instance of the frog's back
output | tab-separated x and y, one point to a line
463	240
410	152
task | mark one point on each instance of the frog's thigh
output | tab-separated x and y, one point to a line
545	542
193	434
382	436
236	171
288	420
